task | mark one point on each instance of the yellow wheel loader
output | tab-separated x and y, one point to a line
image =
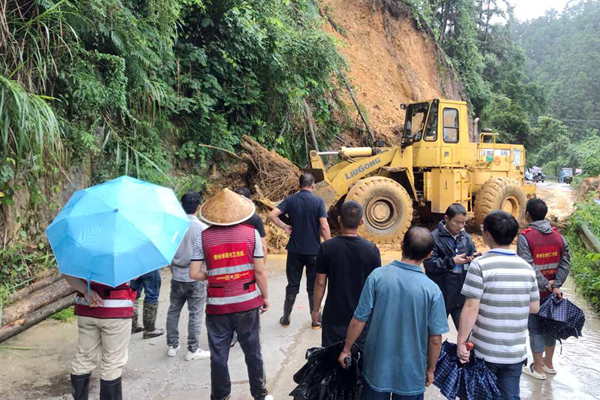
435	165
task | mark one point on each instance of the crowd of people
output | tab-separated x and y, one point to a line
397	312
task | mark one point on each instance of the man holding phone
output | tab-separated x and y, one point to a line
453	251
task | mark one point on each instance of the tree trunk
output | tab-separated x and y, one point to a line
39	299
311	124
18	326
46	278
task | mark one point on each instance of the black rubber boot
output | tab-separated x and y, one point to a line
80	386
135	327
287	310
150	331
111	390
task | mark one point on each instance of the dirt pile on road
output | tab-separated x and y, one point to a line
560	200
391	61
589	185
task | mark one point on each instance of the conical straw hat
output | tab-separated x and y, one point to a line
226	208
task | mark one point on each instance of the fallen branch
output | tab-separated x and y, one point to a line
46	278
220	149
36	300
20	325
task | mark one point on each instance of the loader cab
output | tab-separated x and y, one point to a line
438	130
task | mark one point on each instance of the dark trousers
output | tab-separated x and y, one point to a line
150	283
509	377
220	330
455	312
194	294
293	268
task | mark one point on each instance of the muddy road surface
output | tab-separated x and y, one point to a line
40	369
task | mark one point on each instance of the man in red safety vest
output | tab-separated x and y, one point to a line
547	251
237	289
104	323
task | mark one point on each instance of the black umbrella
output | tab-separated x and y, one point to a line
322	378
561	319
470	381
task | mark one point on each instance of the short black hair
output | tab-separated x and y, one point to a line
244	191
190	202
502	226
306	180
455	209
417	243
537	209
351	214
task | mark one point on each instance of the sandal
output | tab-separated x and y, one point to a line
548	370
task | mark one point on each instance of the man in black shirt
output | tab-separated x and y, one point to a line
254	220
343	265
308	221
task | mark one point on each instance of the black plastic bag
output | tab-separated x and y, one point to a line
322	377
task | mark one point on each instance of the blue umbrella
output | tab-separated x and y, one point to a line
117	231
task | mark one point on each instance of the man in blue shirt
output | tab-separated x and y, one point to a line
308	222
407	318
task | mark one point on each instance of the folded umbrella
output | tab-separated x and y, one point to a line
322	378
117	231
561	319
470	381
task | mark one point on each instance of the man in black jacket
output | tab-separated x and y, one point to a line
453	251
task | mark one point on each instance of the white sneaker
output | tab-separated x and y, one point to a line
197	355
268	397
528	370
172	352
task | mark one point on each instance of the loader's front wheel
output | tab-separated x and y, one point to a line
388	209
500	194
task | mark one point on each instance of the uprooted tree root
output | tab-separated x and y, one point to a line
274	176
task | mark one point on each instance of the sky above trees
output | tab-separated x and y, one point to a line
529	9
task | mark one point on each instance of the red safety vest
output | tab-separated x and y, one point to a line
546	251
229	258
117	302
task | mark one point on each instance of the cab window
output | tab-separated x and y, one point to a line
451	125
432	125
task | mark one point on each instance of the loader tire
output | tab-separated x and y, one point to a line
500	194
388	209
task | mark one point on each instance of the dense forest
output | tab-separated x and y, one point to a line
134	86
562	52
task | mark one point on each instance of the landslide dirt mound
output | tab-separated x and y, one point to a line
390	60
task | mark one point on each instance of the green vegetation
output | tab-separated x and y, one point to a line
131	87
66	315
562	51
585	266
488	62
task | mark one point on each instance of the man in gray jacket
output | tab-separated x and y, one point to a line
184	289
548	252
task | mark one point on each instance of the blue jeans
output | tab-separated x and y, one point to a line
537	338
150	283
371	394
509	377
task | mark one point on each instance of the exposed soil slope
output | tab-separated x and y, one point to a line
391	61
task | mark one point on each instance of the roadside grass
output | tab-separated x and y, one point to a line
66	315
585	265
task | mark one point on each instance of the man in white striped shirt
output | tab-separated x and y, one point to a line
500	290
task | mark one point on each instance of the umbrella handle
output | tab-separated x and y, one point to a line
347	362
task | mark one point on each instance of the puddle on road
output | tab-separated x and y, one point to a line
578	366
